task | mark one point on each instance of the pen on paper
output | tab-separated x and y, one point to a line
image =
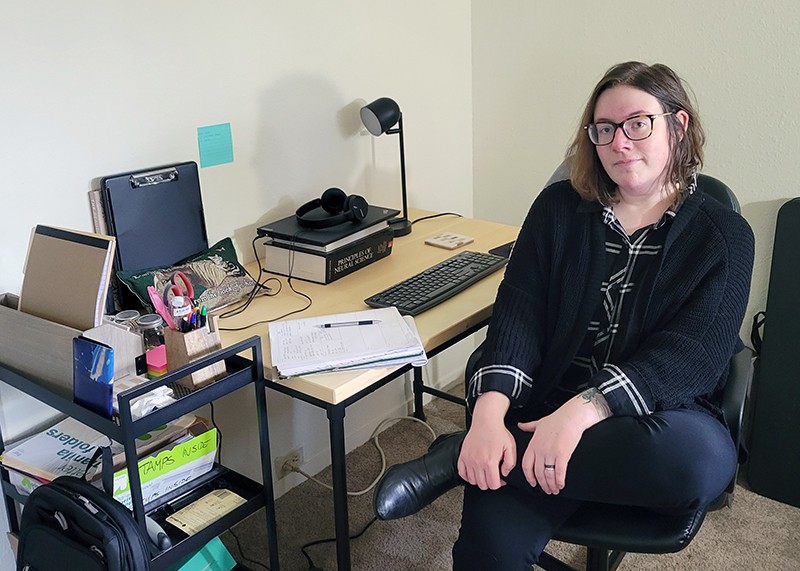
350	323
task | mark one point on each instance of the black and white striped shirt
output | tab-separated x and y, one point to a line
630	261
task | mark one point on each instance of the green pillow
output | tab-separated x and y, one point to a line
216	275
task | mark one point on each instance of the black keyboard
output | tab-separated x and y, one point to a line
438	283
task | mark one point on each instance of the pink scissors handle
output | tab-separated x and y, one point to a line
160	307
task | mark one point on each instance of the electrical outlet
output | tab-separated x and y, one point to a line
282	463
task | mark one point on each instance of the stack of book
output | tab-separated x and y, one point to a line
327	254
169	455
66	448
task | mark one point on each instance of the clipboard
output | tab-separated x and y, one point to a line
156	215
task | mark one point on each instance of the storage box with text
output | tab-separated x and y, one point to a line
169	469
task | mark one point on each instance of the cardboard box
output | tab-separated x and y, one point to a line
36	347
159	474
42	349
170	469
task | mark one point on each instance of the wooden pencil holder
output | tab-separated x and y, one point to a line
183	348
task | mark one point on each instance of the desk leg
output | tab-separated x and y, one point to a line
266	474
339	478
418	387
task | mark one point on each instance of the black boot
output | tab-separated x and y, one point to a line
407	488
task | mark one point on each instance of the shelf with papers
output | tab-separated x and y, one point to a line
240	372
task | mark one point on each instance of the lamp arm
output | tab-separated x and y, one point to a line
403	166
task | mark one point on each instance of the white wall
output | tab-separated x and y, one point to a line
535	64
92	88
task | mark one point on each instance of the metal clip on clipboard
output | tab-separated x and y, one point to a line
153	177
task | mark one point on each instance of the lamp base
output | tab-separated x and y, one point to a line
400	226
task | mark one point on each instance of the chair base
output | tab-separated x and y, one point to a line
596	560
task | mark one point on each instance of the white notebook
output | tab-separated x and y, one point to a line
374	338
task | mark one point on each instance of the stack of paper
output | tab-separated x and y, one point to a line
370	339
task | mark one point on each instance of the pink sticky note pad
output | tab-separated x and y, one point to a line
157	357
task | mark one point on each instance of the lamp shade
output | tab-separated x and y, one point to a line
380	115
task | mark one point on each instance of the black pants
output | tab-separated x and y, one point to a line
674	461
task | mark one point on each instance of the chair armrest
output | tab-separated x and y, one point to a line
472	364
737	389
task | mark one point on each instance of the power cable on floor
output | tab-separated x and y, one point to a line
311	565
241	551
374	439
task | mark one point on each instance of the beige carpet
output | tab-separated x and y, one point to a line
755	534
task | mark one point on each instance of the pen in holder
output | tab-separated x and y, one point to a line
182	348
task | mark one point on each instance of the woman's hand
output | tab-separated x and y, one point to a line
489	451
556	436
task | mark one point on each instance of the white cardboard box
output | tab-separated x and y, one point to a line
170	469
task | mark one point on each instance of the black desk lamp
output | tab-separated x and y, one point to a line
379	117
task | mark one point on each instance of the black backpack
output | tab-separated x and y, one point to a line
70	524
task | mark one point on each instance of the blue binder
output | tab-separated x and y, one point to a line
93	375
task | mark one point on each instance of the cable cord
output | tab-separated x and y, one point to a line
375	441
219	432
241	551
257	286
374	438
437	216
240	309
311	565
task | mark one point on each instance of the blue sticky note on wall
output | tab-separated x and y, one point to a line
215	144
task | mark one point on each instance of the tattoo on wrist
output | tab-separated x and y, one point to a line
600	403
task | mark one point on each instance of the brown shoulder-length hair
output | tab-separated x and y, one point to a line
587	173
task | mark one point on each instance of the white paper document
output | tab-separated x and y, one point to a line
374	338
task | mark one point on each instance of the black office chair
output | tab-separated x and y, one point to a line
609	532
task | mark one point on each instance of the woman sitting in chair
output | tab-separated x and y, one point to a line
610	339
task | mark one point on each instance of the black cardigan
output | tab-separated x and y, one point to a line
691	320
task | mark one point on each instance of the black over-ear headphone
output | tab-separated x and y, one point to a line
343	207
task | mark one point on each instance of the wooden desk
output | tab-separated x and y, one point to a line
439	328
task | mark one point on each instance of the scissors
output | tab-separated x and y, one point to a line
160	307
174	288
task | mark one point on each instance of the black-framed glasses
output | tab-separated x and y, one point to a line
636	128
